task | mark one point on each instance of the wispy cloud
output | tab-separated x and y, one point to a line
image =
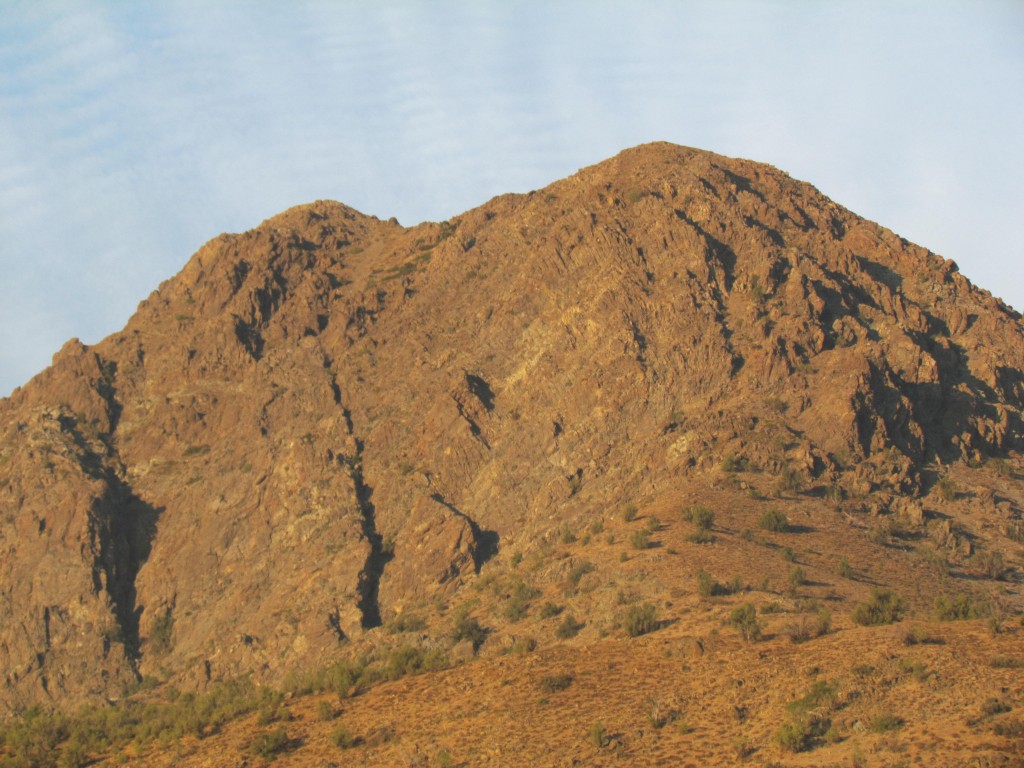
131	133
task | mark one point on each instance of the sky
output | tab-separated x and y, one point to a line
132	133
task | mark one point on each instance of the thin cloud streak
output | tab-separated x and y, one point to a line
129	135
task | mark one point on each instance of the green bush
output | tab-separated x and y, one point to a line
467	628
797	578
744	619
640	539
161	637
271	743
578	571
406	623
555	683
958	608
884	607
641	619
568	628
846	570
342	738
946	489
629	515
517	602
549	610
809	627
774	520
700	516
884	722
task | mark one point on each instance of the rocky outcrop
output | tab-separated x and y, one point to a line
330	418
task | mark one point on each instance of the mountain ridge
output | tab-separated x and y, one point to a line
330	419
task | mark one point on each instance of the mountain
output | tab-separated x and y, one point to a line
330	422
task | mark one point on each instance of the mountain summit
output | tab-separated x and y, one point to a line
331	421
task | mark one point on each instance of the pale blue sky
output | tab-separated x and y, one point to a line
131	133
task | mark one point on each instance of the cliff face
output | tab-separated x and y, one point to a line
330	417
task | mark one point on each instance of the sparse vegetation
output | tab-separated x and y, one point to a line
568	628
641	619
744	619
809	627
271	743
959	608
597	736
884	607
554	683
846	570
883	722
640	539
703	519
630	513
342	738
774	520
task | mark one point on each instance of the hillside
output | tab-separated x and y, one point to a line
333	436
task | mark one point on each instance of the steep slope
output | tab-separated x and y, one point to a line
330	419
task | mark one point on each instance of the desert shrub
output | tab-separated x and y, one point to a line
706	586
793	736
790	480
342	738
1014	531
823	694
733	463
597	736
991	564
774	520
1011	728
700	516
994	706
518	601
73	754
325	711
554	683
797	578
410	660
444	759
549	610
809	627
568	628
958	608
744	619
884	607
846	570
701	536
271	743
578	571
883	722
161	637
640	539
629	514
467	628
641	619
660	713
946	489
522	645
406	622
799	735
1007	662
918	636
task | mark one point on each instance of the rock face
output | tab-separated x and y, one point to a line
329	417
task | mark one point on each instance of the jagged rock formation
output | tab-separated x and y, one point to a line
329	417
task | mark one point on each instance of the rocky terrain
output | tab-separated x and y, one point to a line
332	437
